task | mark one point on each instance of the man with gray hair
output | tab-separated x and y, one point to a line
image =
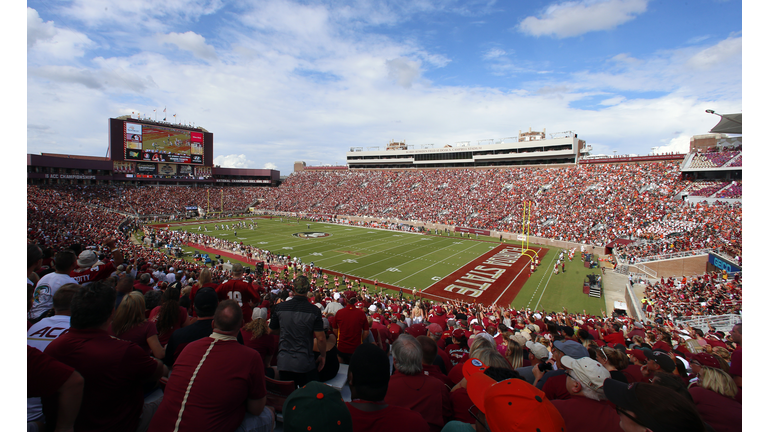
411	389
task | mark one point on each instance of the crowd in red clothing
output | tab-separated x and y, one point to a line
438	345
702	365
591	204
714	159
588	204
687	297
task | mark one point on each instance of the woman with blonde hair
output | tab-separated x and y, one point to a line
514	352
715	398
418	313
204	280
130	323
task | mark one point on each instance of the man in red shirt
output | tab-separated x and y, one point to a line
351	328
114	370
88	272
143	283
428	366
438	317
614	336
217	383
368	379
240	291
411	389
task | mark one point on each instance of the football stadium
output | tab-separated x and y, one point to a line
531	243
376	216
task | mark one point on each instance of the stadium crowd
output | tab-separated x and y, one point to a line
232	333
119	331
714	159
587	204
592	204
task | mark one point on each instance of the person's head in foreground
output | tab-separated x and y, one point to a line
368	374
646	407
508	404
316	407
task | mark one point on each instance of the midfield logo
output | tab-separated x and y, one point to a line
311	234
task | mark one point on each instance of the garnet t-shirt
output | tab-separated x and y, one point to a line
165	336
139	335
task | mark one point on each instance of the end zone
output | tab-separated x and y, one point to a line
494	278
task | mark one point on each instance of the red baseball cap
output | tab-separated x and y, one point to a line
533	411
435	328
706	359
376	317
458	333
639	354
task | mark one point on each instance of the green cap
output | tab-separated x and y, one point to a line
316	407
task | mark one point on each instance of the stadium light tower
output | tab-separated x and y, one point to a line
709	111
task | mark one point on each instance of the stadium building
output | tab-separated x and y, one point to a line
528	148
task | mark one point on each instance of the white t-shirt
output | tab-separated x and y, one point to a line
44	291
39	336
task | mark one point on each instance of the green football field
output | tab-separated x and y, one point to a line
406	260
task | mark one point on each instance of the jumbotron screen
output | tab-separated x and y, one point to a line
143	142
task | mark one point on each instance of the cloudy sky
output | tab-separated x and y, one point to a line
278	81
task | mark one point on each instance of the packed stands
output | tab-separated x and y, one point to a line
569	204
731	191
685	297
706	188
716	159
591	204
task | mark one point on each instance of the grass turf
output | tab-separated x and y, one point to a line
407	260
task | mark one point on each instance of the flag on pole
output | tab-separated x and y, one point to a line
164	116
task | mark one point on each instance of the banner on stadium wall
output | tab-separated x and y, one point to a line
241	181
123	167
723	264
166	169
521	237
71	176
472	231
146	168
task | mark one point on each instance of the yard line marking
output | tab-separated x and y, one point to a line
436	263
545	286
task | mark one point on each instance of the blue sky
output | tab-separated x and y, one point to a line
281	81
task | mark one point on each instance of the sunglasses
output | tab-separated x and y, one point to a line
474	411
621	411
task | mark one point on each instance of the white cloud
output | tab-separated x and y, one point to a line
270	166
287	93
234	161
46	40
494	53
403	71
680	144
728	50
575	18
190	41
